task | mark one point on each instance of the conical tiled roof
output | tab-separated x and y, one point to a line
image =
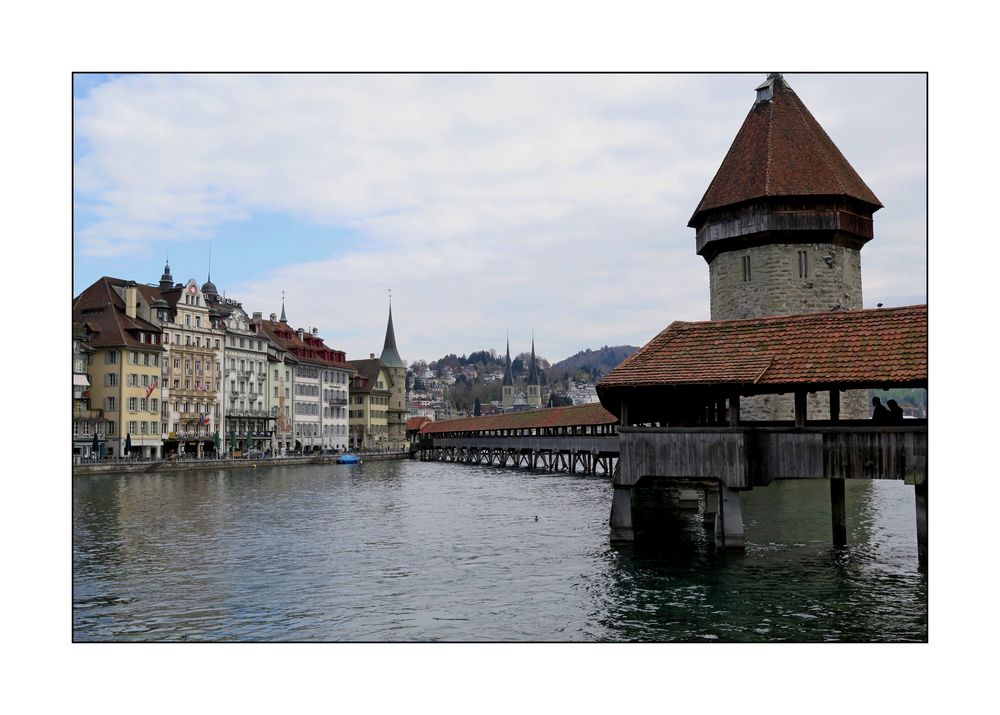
390	356
781	150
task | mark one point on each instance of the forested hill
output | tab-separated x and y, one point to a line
596	362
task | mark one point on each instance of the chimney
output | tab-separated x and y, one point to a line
131	298
371	356
315	331
258	316
274	317
301	333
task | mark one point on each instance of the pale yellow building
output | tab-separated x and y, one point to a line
369	402
120	326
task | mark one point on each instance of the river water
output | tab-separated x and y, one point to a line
431	551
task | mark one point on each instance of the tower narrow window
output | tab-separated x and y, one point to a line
803	264
746	268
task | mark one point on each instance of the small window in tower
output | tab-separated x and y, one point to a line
746	268
803	264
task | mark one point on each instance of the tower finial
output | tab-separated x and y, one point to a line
283	318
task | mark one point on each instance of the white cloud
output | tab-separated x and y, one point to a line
558	202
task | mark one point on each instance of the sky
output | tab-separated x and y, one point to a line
548	203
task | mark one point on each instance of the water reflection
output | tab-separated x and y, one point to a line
409	551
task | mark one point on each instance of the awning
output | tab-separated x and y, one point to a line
81	380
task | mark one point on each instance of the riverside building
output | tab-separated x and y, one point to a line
121	336
193	336
368	412
246	380
319	387
395	369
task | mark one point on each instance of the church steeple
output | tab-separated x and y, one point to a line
534	382
533	370
508	376
283	318
507	390
390	356
166	280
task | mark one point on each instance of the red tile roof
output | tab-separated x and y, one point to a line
592	414
308	349
880	347
415	423
781	150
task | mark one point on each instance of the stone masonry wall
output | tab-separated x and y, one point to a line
775	288
833	278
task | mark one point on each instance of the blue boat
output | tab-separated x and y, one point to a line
348	459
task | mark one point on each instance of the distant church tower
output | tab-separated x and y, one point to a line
508	382
396	368
534	397
781	227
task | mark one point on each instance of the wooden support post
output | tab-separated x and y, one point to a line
729	520
621	515
734	409
623	418
920	494
711	508
800	408
839	512
834	405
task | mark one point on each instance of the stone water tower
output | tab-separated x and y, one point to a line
781	227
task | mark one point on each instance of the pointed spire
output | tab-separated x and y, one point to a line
390	356
533	370
283	318
166	280
508	376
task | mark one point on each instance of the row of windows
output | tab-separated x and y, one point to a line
137	380
142	427
199	386
306	408
246	343
334	412
197	364
251	365
140	404
135	358
187	340
306	390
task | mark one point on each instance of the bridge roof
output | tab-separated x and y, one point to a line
577	415
847	349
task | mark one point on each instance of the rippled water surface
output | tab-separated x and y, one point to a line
422	551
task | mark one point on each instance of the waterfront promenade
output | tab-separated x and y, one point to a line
134	466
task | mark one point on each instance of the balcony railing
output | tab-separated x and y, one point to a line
264	414
88	414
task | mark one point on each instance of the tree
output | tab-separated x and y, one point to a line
478	409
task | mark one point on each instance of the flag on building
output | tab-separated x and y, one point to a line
152	386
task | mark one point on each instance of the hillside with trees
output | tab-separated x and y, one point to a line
591	365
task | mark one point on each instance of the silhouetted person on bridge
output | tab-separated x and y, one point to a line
881	415
895	413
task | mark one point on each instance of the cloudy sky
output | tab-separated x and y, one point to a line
557	203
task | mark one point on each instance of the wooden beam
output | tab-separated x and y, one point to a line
834	405
800	408
838	512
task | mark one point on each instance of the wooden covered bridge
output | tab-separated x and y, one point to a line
678	400
582	438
